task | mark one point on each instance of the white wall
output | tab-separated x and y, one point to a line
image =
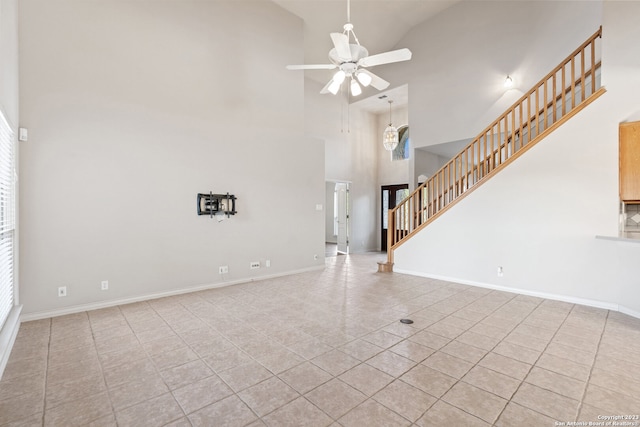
427	163
621	76
539	217
392	172
363	190
133	107
349	134
329	213
9	60
462	56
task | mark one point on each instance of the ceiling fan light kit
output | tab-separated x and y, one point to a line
363	78
351	59
333	86
355	87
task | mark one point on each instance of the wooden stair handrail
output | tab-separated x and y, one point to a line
450	183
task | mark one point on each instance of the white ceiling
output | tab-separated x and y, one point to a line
379	103
379	25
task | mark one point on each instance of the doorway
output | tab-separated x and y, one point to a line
337	218
342	216
390	196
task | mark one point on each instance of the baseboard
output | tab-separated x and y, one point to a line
630	312
8	336
555	297
112	303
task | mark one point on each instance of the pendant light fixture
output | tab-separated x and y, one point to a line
390	135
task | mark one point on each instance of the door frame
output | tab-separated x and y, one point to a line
343	218
391	204
330	217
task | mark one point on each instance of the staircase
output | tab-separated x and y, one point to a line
561	94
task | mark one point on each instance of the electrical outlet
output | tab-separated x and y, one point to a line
254	265
500	272
267	263
223	269
104	285
62	291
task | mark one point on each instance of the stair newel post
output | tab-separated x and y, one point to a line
391	226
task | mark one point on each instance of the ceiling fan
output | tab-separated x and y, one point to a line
352	59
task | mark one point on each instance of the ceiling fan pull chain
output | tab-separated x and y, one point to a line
341	116
348	111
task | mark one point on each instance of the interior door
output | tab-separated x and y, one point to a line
391	195
342	189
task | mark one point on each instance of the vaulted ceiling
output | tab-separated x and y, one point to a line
379	24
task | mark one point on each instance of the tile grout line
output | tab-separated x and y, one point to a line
46	373
361	362
451	340
593	364
104	380
377	305
407	339
236	394
300	395
147	303
534	364
488	352
184	412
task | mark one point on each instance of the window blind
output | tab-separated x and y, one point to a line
7	217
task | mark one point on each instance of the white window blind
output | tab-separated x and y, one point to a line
7	217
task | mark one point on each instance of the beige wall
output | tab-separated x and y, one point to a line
133	107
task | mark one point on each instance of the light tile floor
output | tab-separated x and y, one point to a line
326	348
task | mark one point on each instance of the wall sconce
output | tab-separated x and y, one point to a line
214	204
508	82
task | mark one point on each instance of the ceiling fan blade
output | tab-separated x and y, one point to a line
311	67
386	58
341	43
377	82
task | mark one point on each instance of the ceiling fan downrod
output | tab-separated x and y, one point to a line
348	27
